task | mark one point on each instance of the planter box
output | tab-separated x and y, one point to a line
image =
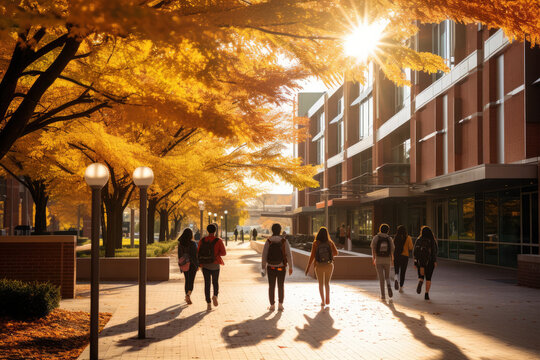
529	270
124	269
348	265
40	258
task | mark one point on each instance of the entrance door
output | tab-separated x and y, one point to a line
529	223
441	226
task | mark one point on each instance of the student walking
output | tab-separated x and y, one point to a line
276	257
382	250
403	244
242	235
425	258
210	251
322	255
255	234
235	234
188	261
342	235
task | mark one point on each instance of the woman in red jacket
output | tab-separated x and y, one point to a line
210	251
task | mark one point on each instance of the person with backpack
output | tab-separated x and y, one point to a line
403	244
322	255
425	258
188	261
342	236
255	234
382	250
276	257
235	234
210	251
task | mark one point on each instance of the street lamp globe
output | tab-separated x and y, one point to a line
143	176
221	217
201	205
225	212
209	213
96	175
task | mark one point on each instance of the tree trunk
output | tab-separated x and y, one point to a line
113	230
152	205
40	197
163	224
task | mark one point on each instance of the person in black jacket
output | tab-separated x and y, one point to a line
186	245
425	258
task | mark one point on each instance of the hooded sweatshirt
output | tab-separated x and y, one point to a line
288	253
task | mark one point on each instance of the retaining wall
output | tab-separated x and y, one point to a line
124	269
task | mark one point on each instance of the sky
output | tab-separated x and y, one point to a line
310	85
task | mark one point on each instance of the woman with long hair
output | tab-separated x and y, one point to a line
402	245
187	253
425	258
322	255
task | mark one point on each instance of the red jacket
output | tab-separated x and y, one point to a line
219	248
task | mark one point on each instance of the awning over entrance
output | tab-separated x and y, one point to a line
500	173
283	214
342	202
305	210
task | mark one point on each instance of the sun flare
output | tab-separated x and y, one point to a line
364	39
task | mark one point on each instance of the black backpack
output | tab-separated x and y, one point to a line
383	246
324	253
422	251
276	252
206	251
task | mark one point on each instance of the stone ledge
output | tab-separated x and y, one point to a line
124	269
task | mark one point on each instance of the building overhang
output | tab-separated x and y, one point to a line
305	210
341	202
284	214
496	174
387	193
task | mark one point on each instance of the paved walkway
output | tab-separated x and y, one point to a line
475	313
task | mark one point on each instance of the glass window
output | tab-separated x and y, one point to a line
453	250
321	122
510	219
320	151
366	117
467	251
534	220
340	105
466	226
340	136
491	228
443	248
526	216
453	218
508	255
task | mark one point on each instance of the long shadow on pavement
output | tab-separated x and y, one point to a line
252	331
318	329
421	332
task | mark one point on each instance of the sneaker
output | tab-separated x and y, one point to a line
280	307
401	289
209	307
214	300
272	307
426	296
390	293
383	299
396	284
419	287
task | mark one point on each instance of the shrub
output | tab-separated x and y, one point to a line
21	300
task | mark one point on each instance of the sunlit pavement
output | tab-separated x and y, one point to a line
475	313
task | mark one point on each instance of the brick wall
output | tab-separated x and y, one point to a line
529	270
40	258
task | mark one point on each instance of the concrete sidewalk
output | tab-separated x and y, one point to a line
475	313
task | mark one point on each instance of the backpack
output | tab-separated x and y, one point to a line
422	251
184	261
324	253
383	246
276	253
206	251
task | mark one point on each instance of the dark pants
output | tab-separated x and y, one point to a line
400	267
428	271
274	274
189	279
214	276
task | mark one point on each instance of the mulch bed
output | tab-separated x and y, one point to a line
60	335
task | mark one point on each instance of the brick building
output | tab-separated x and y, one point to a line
458	151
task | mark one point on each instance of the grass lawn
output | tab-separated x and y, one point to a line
60	335
152	250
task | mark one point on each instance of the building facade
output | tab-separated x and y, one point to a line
457	151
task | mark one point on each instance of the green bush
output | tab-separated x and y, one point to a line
152	250
22	300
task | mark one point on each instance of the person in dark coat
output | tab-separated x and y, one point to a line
235	234
186	245
254	234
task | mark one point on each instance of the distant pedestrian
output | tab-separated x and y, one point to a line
198	235
255	234
276	257
235	234
342	236
403	244
349	238
188	261
242	235
322	255
425	258
382	250
210	251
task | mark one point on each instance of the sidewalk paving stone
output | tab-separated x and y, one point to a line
476	312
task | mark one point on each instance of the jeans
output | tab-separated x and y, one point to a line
383	272
400	267
212	275
189	279
273	275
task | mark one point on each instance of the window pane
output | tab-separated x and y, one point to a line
453	219
467	251
526	216
466	230
510	217
443	248
508	255
534	219
453	250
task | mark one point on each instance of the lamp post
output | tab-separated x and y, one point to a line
201	209
226	236
209	217
325	194
143	178
215	218
96	176
132	229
